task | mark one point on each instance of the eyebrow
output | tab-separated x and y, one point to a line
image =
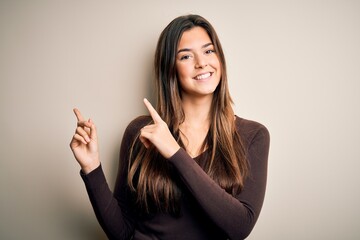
189	49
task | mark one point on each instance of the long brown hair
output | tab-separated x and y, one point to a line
150	175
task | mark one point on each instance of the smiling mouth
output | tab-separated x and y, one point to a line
203	76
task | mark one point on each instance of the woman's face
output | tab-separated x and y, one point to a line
197	64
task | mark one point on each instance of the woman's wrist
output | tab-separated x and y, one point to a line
89	168
172	150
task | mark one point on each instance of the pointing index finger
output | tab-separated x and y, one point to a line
78	115
155	116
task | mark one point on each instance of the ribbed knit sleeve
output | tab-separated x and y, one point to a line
114	211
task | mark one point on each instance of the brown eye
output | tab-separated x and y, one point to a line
185	57
209	51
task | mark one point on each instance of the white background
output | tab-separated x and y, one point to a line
293	66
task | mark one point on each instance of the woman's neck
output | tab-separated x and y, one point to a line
197	111
196	125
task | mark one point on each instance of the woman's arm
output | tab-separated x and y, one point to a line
108	210
236	216
116	223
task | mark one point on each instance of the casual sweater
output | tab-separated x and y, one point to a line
206	210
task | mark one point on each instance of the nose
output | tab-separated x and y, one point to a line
200	62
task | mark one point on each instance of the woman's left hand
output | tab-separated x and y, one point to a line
158	134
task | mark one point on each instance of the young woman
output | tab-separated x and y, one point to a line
190	170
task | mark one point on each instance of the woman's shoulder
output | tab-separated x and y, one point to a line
137	123
133	129
249	129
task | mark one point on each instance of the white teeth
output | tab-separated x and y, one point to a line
203	76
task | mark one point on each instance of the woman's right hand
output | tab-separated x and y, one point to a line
84	144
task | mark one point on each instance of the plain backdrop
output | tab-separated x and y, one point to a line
293	66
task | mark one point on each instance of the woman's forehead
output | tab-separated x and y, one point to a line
196	37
